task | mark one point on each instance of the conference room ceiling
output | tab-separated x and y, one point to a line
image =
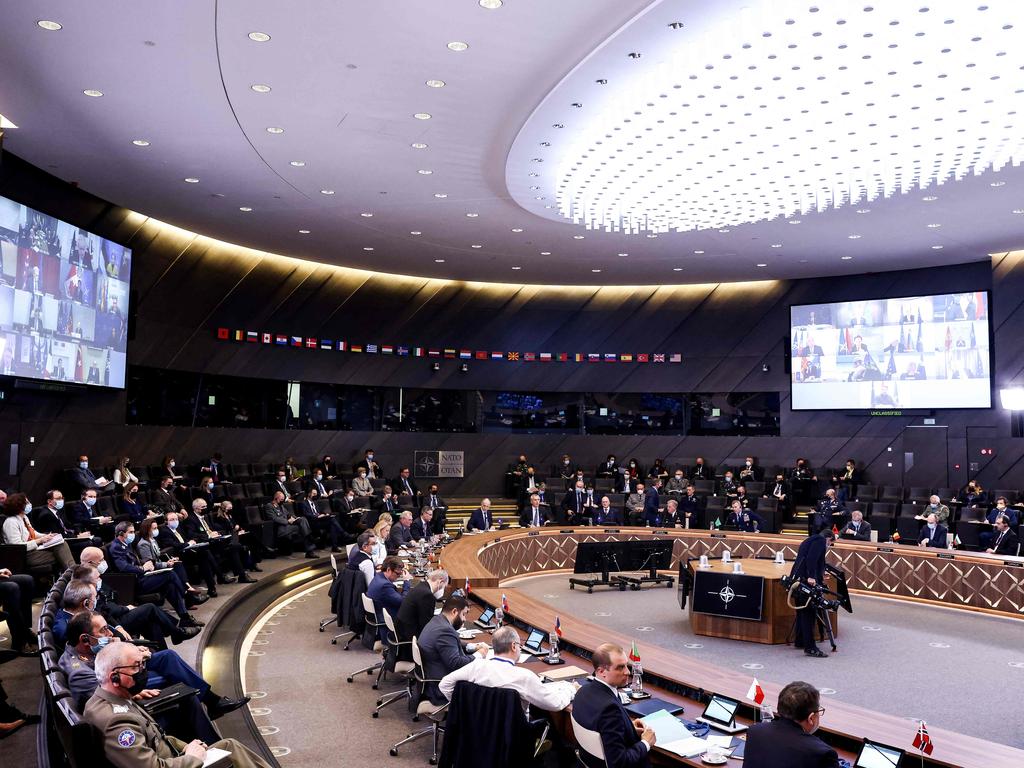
303	129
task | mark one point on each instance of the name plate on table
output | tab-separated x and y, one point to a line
946	556
610	530
728	595
718	536
884	549
533	533
570	530
1013	564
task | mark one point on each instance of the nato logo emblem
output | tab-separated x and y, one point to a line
126	738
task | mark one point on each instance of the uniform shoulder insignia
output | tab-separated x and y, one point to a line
126	738
121	709
75	665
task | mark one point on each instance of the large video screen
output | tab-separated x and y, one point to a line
63	300
917	352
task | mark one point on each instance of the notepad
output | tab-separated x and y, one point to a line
215	758
673	736
567	672
57	540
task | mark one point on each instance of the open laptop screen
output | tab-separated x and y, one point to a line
721	709
874	755
533	642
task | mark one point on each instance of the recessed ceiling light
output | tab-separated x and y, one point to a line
326	191
997	184
275	130
418	145
517	229
367	248
140	142
776	245
595	270
298	163
936	247
245	209
516	267
578	237
476	246
422	115
458	46
191	180
259	37
260	88
863	210
490	4
534	174
795	221
49	26
303	231
762	265
366	215
723	231
651	236
439	261
415	232
934	226
698	252
472	215
929	198
435	83
92	92
844	258
1018	210
424	172
677	269
545	253
440	195
853	237
623	254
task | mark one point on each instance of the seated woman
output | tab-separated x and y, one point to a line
148	550
123	475
129	506
382	530
18	530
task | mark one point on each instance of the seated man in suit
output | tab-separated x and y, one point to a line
401	533
166	584
534	515
280	483
690	507
857	529
385	504
227	554
317	481
747	502
423	527
1004	541
933	534
404	484
635	503
172	539
605	515
788	741
555	514
322	522
433	500
385	595
163	499
779	490
369	465
285	526
361	484
741	519
417	607
597	707
607	468
1002	507
751	471
86	479
82	515
441	649
574	503
481	519
701	470
50	519
848	480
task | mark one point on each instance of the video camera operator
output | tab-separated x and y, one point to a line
809	569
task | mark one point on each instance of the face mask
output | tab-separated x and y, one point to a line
566	462
139	680
58	504
457	624
438	594
362	474
83	464
369	457
749	463
351	497
931	526
728	478
209	486
280	478
28	508
129	538
90	502
126	462
102	567
319	476
99	645
679	476
171	464
173	525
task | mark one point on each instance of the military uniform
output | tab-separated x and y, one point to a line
132	739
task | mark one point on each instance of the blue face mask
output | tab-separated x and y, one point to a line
59	504
83	464
209	486
90	502
129	538
173	525
28	508
99	645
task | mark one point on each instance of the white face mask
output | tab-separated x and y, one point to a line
102	567
439	593
58	504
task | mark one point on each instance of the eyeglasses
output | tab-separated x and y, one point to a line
820	711
138	666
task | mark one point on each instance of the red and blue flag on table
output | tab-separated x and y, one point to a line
610	357
403	351
465	354
922	741
675	357
281	340
545	357
497	355
658	358
468	589
558	626
504	606
296	341
529	357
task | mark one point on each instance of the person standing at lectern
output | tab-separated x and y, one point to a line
788	741
809	568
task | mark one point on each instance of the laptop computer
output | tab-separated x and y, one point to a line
875	755
485	620
720	714
533	643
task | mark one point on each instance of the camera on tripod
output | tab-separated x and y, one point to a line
815	596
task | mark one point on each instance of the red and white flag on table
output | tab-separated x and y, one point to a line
922	741
468	589
756	692
504	603
558	626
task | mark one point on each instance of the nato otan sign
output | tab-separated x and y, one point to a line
439	464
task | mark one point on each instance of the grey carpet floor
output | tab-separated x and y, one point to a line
954	669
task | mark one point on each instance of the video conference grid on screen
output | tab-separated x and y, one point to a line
914	352
63	300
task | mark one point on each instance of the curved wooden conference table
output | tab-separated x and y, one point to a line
966	581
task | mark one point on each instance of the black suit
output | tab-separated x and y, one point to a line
782	743
1005	543
436	503
417	609
861	532
165	501
398	485
526	518
597	708
421	530
809	564
48	521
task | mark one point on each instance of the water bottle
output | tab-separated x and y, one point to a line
636	686
766	712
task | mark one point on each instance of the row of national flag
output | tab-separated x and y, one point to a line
447	353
